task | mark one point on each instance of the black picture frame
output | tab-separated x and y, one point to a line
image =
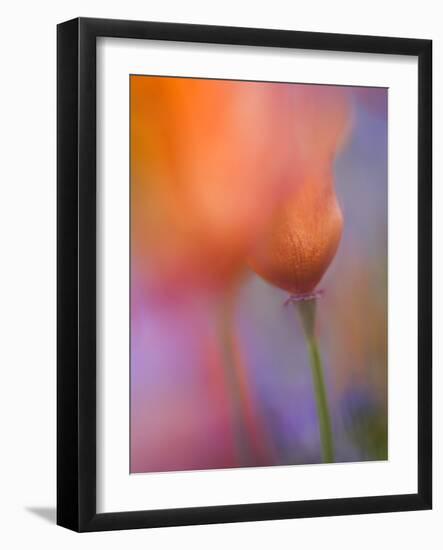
76	273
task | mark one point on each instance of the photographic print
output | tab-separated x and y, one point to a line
258	306
240	212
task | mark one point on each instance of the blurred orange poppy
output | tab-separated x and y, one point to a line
213	164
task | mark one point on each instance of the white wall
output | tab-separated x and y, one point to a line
27	273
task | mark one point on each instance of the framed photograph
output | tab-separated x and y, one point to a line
244	274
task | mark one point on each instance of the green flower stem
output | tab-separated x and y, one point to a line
307	310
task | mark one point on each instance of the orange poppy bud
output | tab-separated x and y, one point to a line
304	232
302	238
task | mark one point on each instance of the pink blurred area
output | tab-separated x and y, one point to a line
178	396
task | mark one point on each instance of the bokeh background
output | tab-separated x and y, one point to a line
216	386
